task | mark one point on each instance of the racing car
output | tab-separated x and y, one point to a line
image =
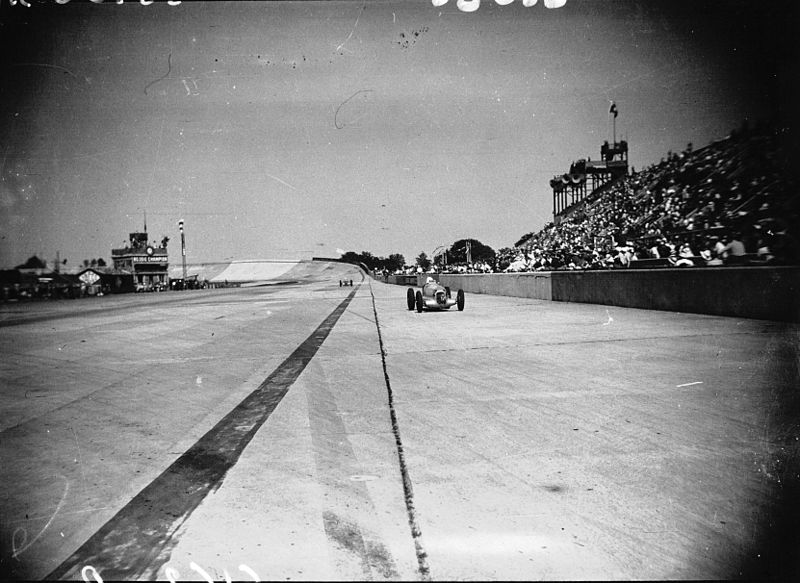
433	296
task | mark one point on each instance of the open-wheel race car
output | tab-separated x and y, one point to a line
433	296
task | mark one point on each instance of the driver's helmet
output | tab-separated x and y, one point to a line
430	280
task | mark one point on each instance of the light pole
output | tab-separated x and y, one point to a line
183	250
443	249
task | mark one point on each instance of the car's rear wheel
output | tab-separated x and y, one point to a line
460	300
410	300
419	301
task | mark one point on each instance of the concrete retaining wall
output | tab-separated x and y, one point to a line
399	279
768	293
536	285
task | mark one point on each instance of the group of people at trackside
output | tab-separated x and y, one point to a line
734	202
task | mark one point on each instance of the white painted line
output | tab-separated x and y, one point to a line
363	478
690	384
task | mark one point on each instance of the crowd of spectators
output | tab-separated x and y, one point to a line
732	202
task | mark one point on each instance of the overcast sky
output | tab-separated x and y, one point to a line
286	130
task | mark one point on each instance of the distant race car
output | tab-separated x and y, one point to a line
433	296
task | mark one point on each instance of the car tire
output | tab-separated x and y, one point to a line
460	300
447	292
419	301
410	299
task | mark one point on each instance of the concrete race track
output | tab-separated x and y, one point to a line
312	431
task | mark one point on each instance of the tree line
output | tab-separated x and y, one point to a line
463	251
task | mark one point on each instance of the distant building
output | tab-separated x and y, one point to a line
100	279
146	262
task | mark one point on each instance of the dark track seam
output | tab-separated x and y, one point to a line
139	538
408	489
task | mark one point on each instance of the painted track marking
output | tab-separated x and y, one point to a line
138	540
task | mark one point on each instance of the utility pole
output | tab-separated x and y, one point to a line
183	250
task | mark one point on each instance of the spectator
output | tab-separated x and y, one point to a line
685	256
764	252
734	252
664	249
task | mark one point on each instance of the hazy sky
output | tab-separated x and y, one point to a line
284	130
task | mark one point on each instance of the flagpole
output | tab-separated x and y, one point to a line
183	252
613	111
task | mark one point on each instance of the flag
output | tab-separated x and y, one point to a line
613	109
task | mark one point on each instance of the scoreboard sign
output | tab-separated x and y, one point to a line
150	259
89	277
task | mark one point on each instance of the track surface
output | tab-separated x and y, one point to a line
263	432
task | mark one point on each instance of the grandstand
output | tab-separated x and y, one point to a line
684	210
570	189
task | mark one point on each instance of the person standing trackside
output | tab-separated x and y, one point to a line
734	251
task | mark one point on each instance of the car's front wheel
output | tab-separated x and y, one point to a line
419	301
460	300
410	300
